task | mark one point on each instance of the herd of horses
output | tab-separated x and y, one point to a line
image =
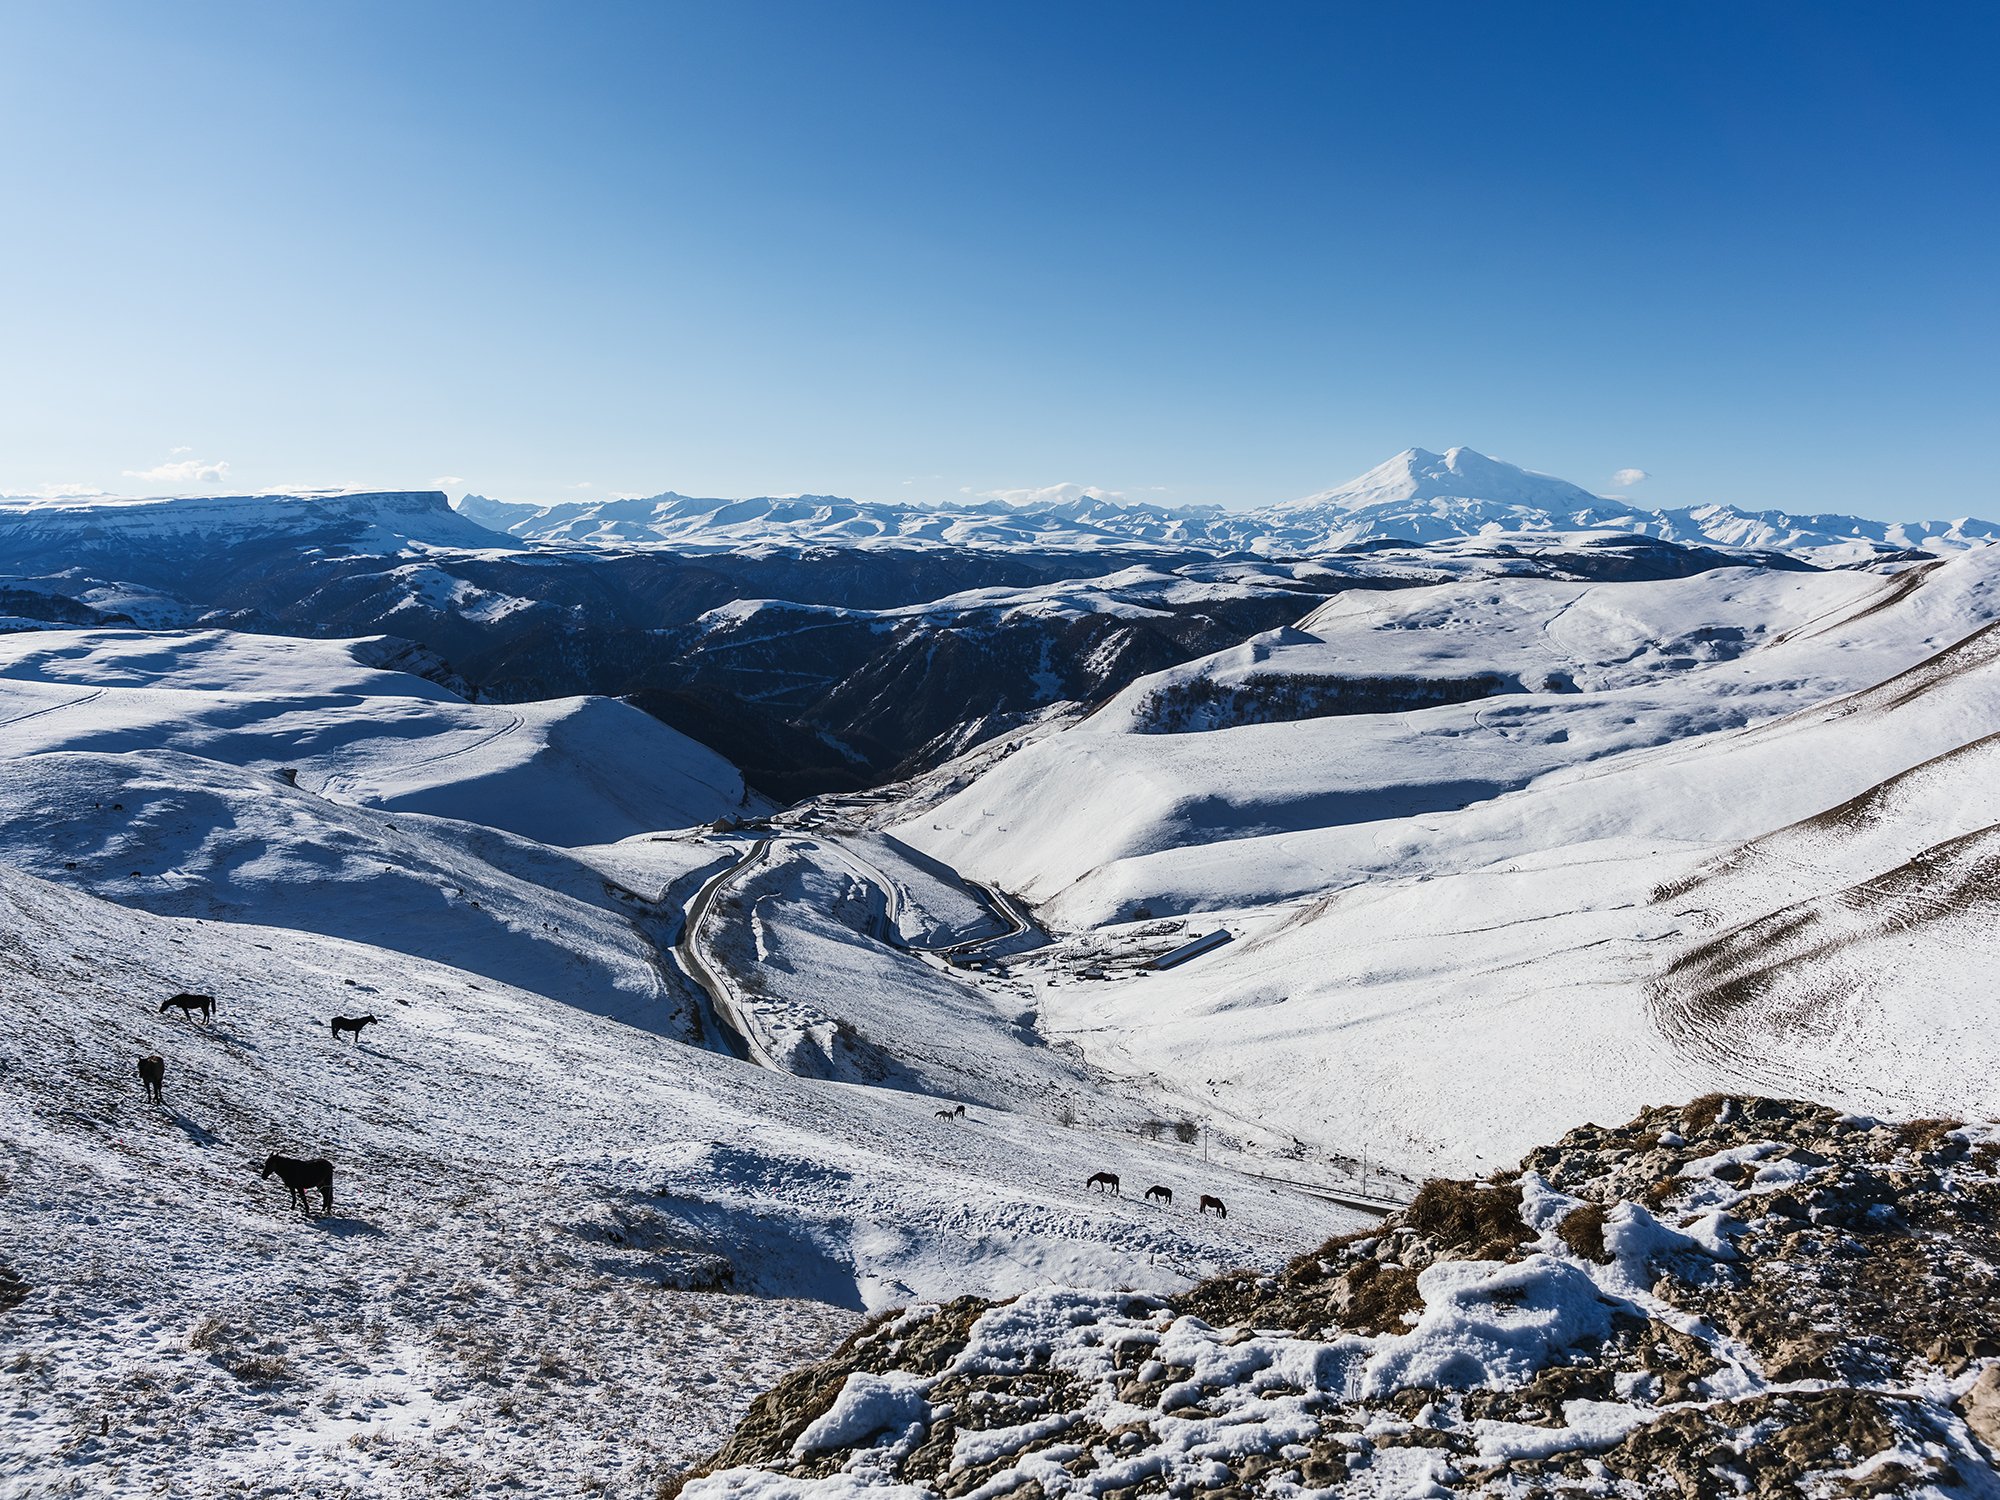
1107	1182
299	1175
303	1176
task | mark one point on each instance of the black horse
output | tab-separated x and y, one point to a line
1158	1194
1104	1182
302	1176
353	1024
189	1004
153	1073
1209	1200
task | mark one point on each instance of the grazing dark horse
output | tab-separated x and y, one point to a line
189	1004
301	1176
951	1114
1161	1194
152	1073
1104	1182
1209	1200
353	1024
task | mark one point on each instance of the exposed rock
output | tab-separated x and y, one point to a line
1980	1407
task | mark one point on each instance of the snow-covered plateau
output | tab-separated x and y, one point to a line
1179	893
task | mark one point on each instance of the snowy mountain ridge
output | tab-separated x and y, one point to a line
1416	496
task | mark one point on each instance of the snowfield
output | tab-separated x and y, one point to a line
1711	1300
1485	921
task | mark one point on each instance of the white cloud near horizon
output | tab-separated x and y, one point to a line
1626	478
186	470
448	481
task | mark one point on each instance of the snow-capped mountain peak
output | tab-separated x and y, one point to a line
1456	474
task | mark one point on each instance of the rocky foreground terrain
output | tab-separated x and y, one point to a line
1738	1296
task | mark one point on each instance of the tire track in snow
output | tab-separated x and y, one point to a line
338	786
35	713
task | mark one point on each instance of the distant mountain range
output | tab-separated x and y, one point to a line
829	644
1417	496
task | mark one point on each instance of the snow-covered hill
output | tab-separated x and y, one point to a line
1716	1299
520	1191
569	771
1460	923
1416	496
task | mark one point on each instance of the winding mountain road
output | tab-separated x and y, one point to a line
732	1025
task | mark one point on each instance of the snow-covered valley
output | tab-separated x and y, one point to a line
1488	832
562	1213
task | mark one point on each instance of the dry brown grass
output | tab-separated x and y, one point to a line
1700	1114
206	1334
261	1369
1582	1229
1468	1221
1379	1297
1923	1136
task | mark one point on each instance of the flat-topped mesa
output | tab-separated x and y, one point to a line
1731	1295
375	520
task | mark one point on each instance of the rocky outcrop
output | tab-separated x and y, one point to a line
1737	1296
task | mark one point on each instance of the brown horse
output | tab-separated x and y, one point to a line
1209	1200
152	1073
302	1176
189	1004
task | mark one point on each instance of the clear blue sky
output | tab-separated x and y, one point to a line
1230	253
